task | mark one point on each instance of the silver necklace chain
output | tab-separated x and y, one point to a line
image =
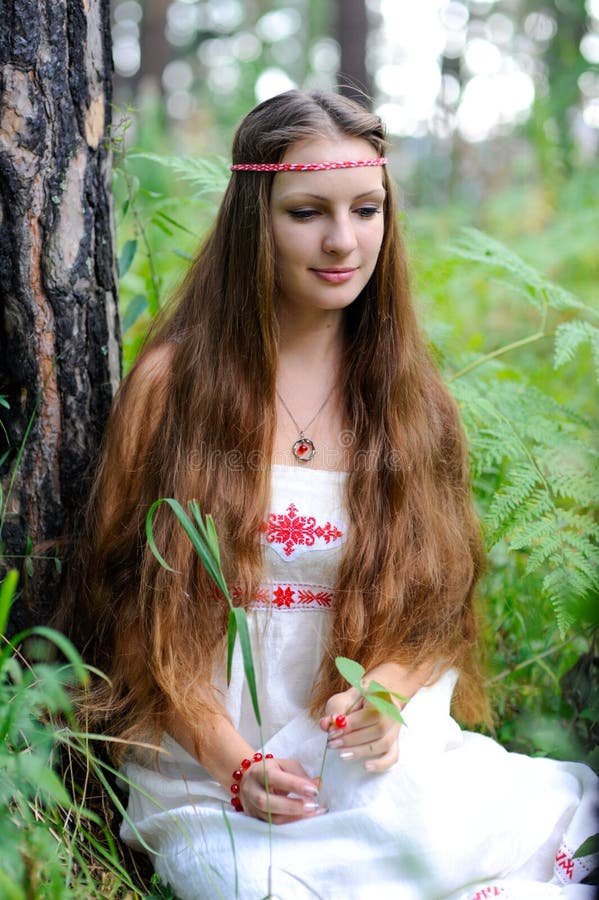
302	431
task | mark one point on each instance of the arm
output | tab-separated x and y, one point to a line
223	748
368	735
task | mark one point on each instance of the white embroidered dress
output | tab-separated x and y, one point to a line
457	817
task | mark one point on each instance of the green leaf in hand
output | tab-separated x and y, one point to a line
381	698
352	671
376	694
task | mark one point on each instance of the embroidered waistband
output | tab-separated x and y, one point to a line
290	595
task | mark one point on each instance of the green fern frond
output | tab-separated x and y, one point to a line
476	246
557	585
568	338
574	471
545	551
532	531
538	477
207	175
523	480
561	585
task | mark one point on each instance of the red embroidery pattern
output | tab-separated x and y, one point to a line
283	596
563	861
566	866
289	596
297	595
486	892
291	530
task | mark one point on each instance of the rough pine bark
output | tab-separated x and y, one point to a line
59	331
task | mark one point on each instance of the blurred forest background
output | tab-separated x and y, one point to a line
493	115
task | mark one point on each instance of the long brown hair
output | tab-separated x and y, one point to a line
195	418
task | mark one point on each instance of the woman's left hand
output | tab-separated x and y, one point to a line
367	734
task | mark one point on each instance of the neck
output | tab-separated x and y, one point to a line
310	340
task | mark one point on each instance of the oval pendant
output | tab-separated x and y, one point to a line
304	449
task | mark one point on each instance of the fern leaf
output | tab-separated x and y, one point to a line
522	480
476	246
568	338
207	175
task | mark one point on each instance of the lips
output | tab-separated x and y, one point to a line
335	275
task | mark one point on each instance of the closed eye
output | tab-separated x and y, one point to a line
367	212
303	214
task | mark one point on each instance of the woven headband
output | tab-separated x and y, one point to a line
308	167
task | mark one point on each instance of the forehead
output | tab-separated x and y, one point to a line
315	150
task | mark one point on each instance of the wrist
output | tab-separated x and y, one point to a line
237	777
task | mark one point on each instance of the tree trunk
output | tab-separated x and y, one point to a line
352	34
59	330
156	51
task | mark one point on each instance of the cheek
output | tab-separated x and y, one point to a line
285	243
375	241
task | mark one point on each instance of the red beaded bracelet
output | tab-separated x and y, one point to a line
238	775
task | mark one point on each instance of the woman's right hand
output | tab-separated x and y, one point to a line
291	795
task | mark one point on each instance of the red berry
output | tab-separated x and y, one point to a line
236	804
257	757
245	764
235	788
237	774
269	756
341	721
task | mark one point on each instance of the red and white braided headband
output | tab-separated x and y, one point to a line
308	167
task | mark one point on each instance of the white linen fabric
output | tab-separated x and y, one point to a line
458	817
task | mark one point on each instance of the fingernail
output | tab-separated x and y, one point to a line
335	733
346	754
321	811
310	790
336	743
309	806
369	766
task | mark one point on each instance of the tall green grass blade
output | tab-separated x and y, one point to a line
198	540
231	637
205	541
66	648
191	531
248	662
213	538
10	890
150	535
7	591
232	840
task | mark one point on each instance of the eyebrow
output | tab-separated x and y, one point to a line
375	191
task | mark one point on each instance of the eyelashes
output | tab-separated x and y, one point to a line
304	215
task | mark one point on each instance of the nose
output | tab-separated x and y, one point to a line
340	236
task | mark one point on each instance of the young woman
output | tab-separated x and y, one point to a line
289	391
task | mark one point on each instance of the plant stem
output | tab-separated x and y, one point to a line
507	348
326	746
268	813
529	662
